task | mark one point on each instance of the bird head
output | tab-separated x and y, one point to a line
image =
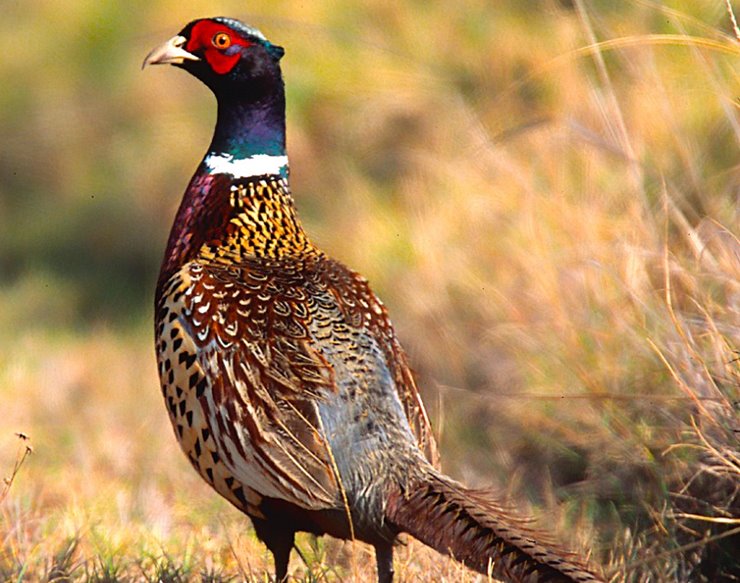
227	55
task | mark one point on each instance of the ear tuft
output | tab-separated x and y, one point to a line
275	51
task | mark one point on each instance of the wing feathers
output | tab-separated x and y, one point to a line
253	335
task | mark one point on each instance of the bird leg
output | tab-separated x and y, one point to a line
279	542
384	561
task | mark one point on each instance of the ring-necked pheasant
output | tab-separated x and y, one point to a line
285	383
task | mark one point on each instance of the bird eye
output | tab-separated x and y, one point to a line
221	40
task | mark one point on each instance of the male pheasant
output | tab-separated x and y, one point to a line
284	381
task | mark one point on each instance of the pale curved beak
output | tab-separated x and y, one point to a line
170	53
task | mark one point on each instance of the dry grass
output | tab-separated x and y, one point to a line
546	196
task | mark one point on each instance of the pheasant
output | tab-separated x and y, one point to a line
285	383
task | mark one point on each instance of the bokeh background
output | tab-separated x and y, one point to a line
544	193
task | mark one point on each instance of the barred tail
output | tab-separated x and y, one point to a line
473	529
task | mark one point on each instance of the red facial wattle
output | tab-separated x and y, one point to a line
222	47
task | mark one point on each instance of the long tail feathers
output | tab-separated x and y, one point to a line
473	529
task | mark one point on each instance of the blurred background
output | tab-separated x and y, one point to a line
543	192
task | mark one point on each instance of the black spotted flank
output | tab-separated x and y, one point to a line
187	359
239	495
200	388
172	406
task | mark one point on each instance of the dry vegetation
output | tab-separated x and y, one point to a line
544	192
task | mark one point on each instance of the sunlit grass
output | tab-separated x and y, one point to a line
545	195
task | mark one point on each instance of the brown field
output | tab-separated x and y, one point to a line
544	193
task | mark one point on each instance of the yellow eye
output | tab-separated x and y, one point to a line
221	40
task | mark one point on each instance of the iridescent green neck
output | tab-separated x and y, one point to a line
246	128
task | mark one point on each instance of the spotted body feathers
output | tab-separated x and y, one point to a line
283	378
